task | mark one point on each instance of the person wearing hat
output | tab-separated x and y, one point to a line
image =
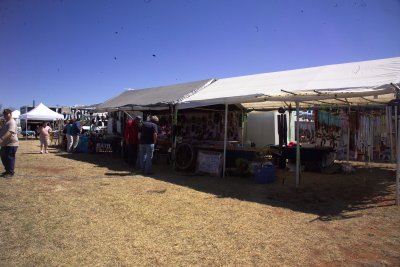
9	144
148	139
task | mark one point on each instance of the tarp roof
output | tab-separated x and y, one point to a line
156	97
366	82
41	113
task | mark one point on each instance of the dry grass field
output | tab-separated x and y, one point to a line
89	210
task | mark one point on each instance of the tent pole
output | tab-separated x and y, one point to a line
387	125
297	146
26	128
26	123
225	139
290	124
398	169
174	123
391	134
242	131
395	125
371	140
348	137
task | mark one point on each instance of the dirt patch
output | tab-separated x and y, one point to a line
53	170
90	209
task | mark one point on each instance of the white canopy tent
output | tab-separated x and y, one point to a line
40	113
372	82
366	82
16	113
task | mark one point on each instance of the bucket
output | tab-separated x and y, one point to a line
265	174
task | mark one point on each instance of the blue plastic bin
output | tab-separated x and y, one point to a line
83	144
265	174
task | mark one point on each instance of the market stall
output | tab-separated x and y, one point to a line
158	101
359	83
367	83
197	129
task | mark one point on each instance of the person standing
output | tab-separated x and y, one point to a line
9	144
128	142
68	132
148	139
137	126
44	136
131	141
137	130
76	131
36	129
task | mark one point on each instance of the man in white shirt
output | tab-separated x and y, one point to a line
9	144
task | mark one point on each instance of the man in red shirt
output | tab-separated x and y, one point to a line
131	140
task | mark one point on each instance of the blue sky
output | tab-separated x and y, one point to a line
68	52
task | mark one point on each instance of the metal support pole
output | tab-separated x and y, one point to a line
26	123
174	140
26	128
395	125
225	137
391	135
348	137
398	169
242	131
172	107
297	145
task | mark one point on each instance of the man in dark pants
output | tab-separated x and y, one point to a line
9	144
148	139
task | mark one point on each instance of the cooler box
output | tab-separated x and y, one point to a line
265	174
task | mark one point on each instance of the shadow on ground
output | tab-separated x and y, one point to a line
328	196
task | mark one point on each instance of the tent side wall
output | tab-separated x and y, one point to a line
262	128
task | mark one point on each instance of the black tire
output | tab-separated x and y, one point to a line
184	156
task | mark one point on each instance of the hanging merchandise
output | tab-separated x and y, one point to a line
210	125
329	125
370	137
282	127
308	132
290	110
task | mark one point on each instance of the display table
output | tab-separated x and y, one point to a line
106	143
186	154
28	133
315	158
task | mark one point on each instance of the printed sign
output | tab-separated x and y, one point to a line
209	162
